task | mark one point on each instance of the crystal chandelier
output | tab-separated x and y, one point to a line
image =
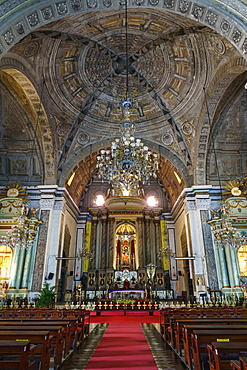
165	252
22	234
84	253
225	234
129	163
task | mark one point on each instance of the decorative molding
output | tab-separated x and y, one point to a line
46	203
203	204
190	205
204	12
41	252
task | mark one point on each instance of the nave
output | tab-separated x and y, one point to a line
163	357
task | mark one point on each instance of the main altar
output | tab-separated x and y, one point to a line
126	293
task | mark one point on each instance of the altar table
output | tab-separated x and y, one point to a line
126	293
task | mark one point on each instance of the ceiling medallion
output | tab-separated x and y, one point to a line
167	139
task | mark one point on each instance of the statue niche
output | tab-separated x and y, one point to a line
125	244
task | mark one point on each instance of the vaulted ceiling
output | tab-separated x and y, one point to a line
63	83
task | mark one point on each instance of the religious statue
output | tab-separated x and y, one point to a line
125	256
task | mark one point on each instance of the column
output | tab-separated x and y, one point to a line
210	252
235	267
147	238
104	240
142	261
111	243
223	268
92	263
158	261
153	244
13	274
27	265
50	241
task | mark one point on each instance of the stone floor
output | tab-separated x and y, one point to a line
164	357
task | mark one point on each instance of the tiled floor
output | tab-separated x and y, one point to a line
164	357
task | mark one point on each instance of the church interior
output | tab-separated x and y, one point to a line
124	181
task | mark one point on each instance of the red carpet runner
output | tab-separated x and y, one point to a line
123	347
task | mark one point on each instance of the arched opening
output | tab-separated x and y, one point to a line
126	247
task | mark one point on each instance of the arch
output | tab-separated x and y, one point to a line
29	99
125	254
228	19
217	91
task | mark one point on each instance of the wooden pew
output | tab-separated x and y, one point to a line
188	330
222	353
243	363
56	333
176	326
71	334
201	338
240	364
235	364
41	339
16	355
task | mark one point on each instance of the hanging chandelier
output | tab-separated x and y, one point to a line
165	252
225	234
84	253
129	163
22	234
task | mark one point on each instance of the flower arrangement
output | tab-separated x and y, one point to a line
125	300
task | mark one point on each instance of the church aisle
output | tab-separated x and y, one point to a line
162	357
124	347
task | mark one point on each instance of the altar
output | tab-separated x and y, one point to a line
126	293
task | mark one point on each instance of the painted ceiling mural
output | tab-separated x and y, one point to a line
63	78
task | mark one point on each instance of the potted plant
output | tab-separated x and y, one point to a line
47	296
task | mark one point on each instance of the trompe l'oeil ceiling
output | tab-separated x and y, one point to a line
75	81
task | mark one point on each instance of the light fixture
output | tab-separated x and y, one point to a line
165	252
23	232
152	201
84	254
129	163
225	234
99	200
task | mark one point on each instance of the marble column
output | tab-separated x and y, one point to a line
223	268
147	238
50	243
92	263
111	243
157	242
235	267
153	248
210	253
142	261
27	265
15	263
41	250
104	241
